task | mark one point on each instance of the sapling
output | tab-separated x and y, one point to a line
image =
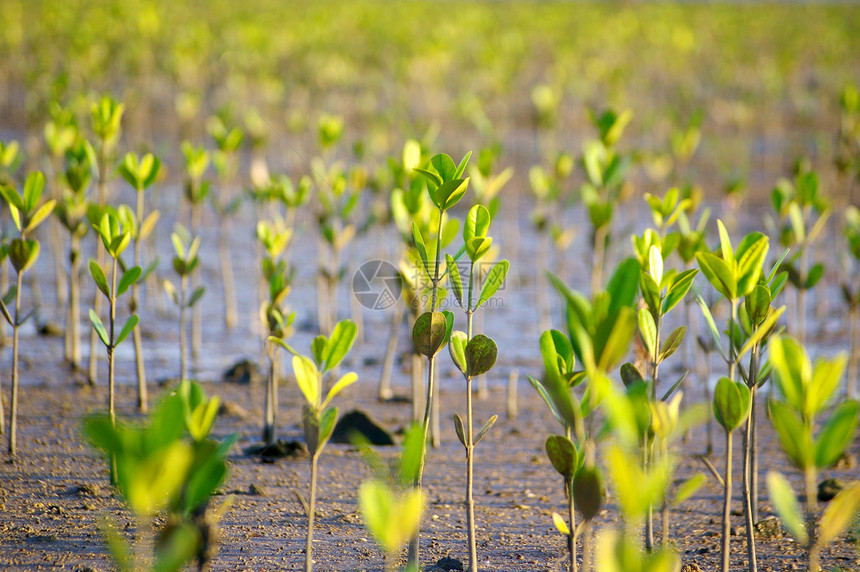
273	314
106	117
115	231
473	355
803	212
318	419
196	192
140	173
391	507
27	213
851	295
71	211
805	391
166	471
185	260
10	162
225	158
432	329
731	408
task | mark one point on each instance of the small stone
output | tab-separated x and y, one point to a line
829	488
257	490
846	461
357	421
86	490
691	567
50	329
243	372
768	529
448	563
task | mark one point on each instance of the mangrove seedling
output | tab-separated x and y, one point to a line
196	192
318	419
805	390
851	295
473	355
28	213
166	470
106	118
185	260
731	407
432	329
140	173
115	230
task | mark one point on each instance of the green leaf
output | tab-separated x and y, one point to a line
431	176
792	368
655	264
841	512
650	293
648	332
673	342
825	380
761	331
413	453
196	295
461	168
795	438
622	285
327	423
429	333
339	343
458	428
563	455
751	255
712	326
307	378
480	353
588	492
457	348
725	242
486	427
630	375
837	434
456	280
450	192
341	384
560	525
41	214
99	327
177	549
718	273
680	286
757	304
419	245
127	328
129	277
688	488
814	275
391	520
495	278
786	506
731	403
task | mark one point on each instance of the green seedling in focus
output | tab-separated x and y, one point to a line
318	418
23	251
140	173
115	231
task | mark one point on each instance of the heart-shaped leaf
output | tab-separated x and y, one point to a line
563	455
588	492
731	403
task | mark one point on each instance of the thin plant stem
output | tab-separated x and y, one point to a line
727	504
571	539
74	325
470	445
814	547
309	562
196	319
142	397
111	346
93	369
183	342
13	422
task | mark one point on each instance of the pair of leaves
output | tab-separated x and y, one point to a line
475	231
803	448
461	434
99	327
329	352
140	173
23	253
392	519
309	380
736	272
472	357
806	388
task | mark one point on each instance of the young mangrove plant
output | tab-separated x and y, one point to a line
196	191
226	161
732	405
391	507
140	173
318	419
803	212
805	390
166	470
185	260
106	118
71	210
28	213
432	329
115	230
273	313
851	295
473	355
